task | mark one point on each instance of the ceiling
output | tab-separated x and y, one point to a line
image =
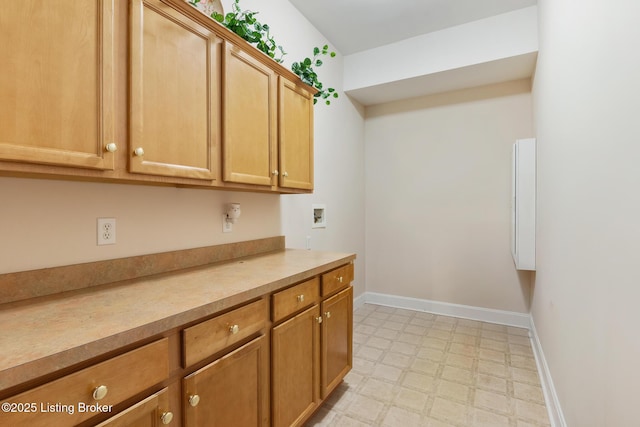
356	25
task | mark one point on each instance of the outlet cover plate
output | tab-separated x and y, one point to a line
106	231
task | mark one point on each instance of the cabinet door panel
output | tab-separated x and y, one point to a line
295	136
56	82
174	82
249	119
233	390
337	334
295	368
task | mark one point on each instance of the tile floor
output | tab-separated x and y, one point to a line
419	369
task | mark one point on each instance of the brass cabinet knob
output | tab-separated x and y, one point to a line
285	174
194	400
301	298
319	319
327	314
166	417
275	172
340	279
111	147
234	329
139	151
100	392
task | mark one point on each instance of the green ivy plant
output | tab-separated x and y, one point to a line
245	24
304	70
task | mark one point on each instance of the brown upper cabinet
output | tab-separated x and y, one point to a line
147	91
175	102
249	119
57	83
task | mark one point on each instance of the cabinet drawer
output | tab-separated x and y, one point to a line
152	411
337	279
296	298
82	395
212	336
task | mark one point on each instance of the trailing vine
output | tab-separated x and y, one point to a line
304	70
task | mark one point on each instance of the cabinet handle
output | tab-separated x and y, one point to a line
111	147
340	279
275	172
327	314
100	392
234	329
139	152
194	400
166	418
300	298
319	319
285	174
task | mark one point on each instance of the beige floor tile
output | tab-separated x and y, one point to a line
463	349
522	350
365	408
369	353
347	421
493	344
519	339
493	368
469	323
494	327
378	389
410	339
399	417
459	375
378	315
491	400
387	333
417	381
372	321
400	318
444	326
431	422
491	383
482	418
393	325
398	360
518	331
466	330
409	398
418	330
453	391
493	335
459	360
523	362
404	348
437	343
528	392
431	354
425	366
378	342
386	372
418	321
492	355
448	411
464	339
525	375
440	334
531	411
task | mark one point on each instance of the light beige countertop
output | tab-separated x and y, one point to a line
41	335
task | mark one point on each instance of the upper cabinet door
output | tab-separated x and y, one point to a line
249	119
295	136
175	69
57	83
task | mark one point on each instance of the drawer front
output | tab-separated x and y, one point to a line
296	298
212	336
337	279
81	395
152	411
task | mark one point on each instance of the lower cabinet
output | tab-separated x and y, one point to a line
337	338
232	391
310	355
295	367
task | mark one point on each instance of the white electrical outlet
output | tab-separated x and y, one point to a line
106	231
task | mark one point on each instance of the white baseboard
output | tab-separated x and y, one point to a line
510	318
556	417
